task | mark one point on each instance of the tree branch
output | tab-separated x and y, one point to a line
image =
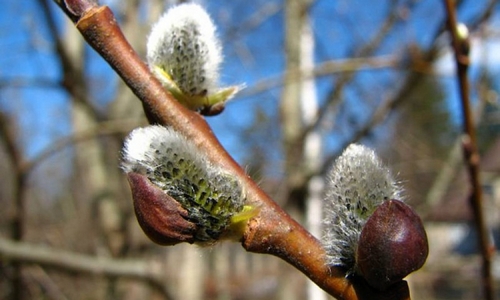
383	109
104	128
272	231
324	69
72	262
335	93
410	82
471	155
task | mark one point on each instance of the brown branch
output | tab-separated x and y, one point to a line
73	262
7	133
272	231
471	155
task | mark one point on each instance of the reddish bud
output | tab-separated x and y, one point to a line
393	243
79	8
213	110
161	217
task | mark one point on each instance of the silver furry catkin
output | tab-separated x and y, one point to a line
210	195
184	53
183	43
357	184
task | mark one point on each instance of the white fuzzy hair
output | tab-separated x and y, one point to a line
357	184
183	43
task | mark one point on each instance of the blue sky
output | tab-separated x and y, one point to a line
26	52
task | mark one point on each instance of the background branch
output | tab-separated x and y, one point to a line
104	128
324	69
73	262
461	45
18	213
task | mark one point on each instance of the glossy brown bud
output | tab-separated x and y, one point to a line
392	244
161	218
213	110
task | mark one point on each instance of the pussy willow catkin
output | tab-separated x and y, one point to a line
174	164
357	183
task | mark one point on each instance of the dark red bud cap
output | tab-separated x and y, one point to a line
161	217
213	110
79	8
393	243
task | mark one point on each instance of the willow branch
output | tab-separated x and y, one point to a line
272	231
471	154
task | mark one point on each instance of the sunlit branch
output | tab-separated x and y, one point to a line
272	231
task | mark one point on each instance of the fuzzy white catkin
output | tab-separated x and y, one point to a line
357	184
183	43
143	149
210	195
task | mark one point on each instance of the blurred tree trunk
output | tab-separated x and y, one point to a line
191	265
298	110
312	144
93	185
18	210
290	106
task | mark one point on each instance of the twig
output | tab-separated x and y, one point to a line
51	289
272	231
260	16
335	93
104	128
73	80
411	81
450	167
383	110
471	154
324	69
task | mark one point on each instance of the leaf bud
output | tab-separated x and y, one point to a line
366	233
392	244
